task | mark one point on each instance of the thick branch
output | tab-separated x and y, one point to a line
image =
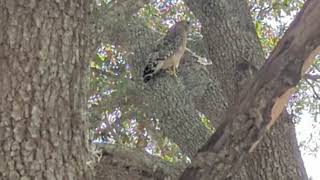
119	162
259	105
167	99
231	41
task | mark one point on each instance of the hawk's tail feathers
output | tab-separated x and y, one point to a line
149	71
147	78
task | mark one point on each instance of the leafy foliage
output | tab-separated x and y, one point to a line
305	106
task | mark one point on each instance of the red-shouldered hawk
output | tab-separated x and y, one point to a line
168	52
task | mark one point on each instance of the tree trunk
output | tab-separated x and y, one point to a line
43	71
277	156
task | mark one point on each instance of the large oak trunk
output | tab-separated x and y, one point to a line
43	63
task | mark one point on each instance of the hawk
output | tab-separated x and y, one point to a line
168	52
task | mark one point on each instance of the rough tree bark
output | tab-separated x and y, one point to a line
119	162
44	47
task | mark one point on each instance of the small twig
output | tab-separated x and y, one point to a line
313	77
201	60
317	68
317	96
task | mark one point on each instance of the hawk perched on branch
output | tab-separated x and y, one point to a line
168	52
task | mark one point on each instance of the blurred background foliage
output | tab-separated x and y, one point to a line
114	119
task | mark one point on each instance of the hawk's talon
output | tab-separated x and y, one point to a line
175	72
172	71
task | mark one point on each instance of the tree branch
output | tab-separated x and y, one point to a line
127	163
168	99
262	101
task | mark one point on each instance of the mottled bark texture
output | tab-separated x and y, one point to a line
276	157
261	101
44	48
231	42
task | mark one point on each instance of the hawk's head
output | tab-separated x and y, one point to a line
181	26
